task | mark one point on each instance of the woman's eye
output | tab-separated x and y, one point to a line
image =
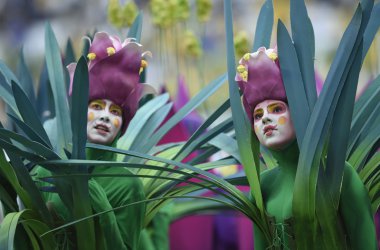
257	116
277	109
96	106
115	112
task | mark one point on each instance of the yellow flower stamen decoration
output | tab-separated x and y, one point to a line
143	65
246	56
91	56
111	51
241	68
244	75
272	56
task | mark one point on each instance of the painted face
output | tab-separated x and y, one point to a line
104	121
273	125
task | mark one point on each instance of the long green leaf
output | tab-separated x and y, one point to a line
56	76
139	120
264	26
340	130
372	167
79	110
204	126
80	193
242	125
372	28
7	95
40	149
28	113
316	134
297	97
365	108
136	28
26	80
8	230
304	44
29	132
227	144
185	110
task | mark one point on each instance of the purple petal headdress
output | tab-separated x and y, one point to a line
259	77
114	73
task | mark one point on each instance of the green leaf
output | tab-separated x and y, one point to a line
202	128
264	26
295	91
8	230
371	30
68	58
30	132
364	109
6	93
340	130
370	169
227	144
316	135
144	136
185	110
28	113
38	148
366	141
304	44
140	119
26	81
136	28
242	125
57	82
79	110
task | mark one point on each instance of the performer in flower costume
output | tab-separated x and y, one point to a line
264	98
114	92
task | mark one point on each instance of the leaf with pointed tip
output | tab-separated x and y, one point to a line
37	147
365	108
185	110
26	81
45	99
28	113
248	153
140	119
264	26
136	28
57	82
292	77
29	131
304	44
7	95
371	30
79	110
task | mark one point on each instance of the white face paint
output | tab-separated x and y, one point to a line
104	121
273	125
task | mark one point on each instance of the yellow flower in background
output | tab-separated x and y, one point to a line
163	12
129	13
192	45
204	8
241	43
121	16
183	10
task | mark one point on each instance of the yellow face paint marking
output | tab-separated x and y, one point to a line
282	120
116	122
90	116
256	128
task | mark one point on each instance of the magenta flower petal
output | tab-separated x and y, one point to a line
263	79
114	73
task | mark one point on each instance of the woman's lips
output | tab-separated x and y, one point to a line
268	130
102	129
